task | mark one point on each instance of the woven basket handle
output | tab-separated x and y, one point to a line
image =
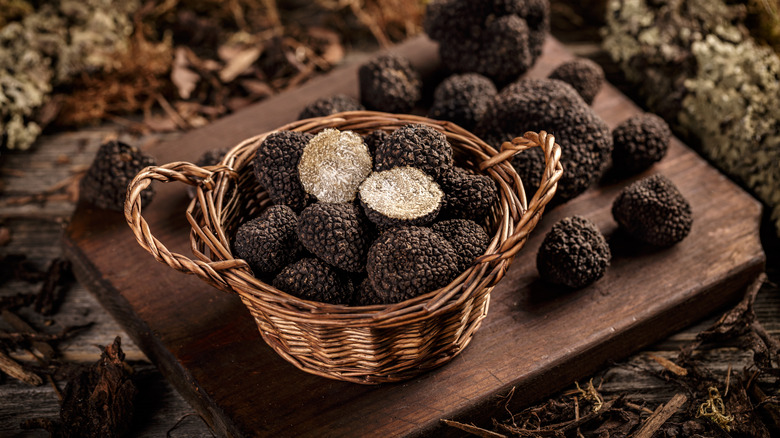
186	173
544	193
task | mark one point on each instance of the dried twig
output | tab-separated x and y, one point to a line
474	430
17	371
661	415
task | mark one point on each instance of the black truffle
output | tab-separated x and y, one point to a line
269	241
114	167
468	195
553	106
389	83
374	139
276	168
574	253
400	196
337	233
466	237
639	142
499	39
365	294
330	105
417	146
584	75
314	280
462	99
654	211
406	262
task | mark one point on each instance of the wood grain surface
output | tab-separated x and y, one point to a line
535	338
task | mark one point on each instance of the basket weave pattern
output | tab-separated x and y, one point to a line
368	344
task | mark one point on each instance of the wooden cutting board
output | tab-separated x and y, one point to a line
536	339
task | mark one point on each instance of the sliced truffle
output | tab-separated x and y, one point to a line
406	262
418	146
389	83
639	142
330	105
400	196
333	165
269	241
654	211
337	233
468	195
462	99
114	167
574	253
314	280
467	238
584	75
276	168
374	139
553	106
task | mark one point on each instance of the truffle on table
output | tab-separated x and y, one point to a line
114	167
467	238
326	106
468	195
653	211
584	75
418	146
400	196
269	241
339	234
410	261
314	280
639	142
574	253
276	168
462	99
389	83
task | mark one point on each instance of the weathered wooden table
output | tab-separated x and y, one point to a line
35	229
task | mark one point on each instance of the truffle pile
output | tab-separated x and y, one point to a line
389	83
379	220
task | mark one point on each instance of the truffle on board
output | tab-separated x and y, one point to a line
389	83
314	280
269	241
339	234
410	261
418	146
326	106
639	142
400	196
653	211
462	99
574	253
333	164
467	238
553	106
276	168
468	195
584	75
114	167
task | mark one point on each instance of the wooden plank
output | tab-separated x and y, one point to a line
535	338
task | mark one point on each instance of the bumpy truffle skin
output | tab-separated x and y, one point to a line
406	262
466	237
365	295
584	75
639	142
417	146
339	234
389	83
374	139
553	106
276	168
330	105
468	195
114	167
269	241
574	253
463	99
400	196
653	211
314	280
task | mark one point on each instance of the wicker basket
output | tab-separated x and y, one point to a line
369	344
